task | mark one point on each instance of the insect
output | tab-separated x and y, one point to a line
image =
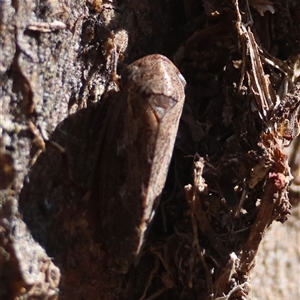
136	149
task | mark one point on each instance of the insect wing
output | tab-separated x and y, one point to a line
136	153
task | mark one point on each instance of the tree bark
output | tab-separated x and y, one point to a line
56	68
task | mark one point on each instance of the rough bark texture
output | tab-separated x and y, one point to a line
56	64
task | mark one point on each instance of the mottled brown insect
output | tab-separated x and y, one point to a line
136	150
